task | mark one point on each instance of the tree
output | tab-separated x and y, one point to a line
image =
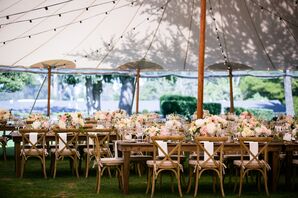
14	81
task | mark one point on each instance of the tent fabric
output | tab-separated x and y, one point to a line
100	35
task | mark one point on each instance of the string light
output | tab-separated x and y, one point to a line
53	15
35	9
87	9
30	21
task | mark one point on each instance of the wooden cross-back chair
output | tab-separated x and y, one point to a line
33	145
164	160
102	163
89	151
258	158
212	160
66	145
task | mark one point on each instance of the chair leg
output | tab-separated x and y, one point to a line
148	180
44	167
196	183
179	183
76	167
265	181
87	165
241	181
98	178
4	150
55	166
221	181
189	179
22	167
153	185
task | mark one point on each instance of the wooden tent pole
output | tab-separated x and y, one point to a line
49	91
138	90
201	60
231	91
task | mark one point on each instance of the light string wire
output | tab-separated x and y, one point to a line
217	34
95	28
48	40
274	13
35	9
15	19
189	32
157	28
258	36
62	26
33	27
55	15
11	5
123	32
136	26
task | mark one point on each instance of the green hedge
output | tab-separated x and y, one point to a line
264	114
184	105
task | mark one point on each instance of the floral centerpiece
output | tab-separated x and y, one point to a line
249	126
70	120
34	116
209	126
41	123
152	130
5	114
172	127
103	115
118	115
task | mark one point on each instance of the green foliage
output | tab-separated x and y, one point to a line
72	79
295	99
14	81
263	114
183	105
213	108
269	88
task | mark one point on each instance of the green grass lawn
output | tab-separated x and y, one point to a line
66	185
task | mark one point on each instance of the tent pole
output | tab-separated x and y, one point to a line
201	60
231	91
49	90
38	94
138	90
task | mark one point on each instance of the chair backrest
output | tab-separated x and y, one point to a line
66	139
103	136
206	144
161	151
33	140
255	147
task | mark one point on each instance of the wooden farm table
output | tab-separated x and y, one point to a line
17	138
274	149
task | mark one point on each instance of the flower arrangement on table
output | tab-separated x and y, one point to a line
152	130
103	118
209	126
34	116
249	126
205	114
125	127
40	123
172	127
5	114
70	120
118	115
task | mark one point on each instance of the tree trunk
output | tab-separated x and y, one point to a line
127	94
93	92
288	94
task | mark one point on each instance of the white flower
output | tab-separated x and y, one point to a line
211	129
36	125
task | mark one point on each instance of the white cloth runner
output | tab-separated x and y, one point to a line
254	149
33	138
209	147
164	146
116	149
63	136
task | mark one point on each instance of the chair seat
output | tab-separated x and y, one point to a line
112	161
65	152
295	162
251	165
163	164
203	164
33	152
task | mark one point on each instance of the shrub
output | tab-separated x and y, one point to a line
213	108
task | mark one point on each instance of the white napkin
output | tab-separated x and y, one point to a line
63	136
33	137
209	146
254	149
164	146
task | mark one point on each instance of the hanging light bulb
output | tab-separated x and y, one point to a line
46	8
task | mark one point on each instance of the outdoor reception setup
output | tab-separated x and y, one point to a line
125	150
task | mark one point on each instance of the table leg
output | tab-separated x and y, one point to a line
288	174
17	152
126	157
275	167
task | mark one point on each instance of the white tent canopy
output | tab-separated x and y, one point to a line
102	34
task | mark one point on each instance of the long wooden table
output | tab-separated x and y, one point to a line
274	148
17	138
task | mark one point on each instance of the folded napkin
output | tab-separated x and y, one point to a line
33	137
209	146
164	146
63	136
